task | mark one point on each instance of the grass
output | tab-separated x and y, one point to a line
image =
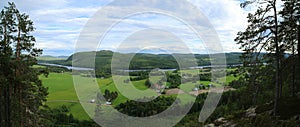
125	88
192	72
60	86
49	58
229	78
187	87
62	92
195	71
38	66
75	108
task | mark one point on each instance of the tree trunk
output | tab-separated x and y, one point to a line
7	90
294	67
277	95
18	53
1	101
280	78
298	49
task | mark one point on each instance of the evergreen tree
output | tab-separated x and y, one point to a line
291	15
263	34
22	92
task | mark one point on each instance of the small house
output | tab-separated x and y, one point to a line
211	85
92	101
108	103
195	89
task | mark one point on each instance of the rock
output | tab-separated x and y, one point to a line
251	112
210	125
297	117
229	124
270	112
220	121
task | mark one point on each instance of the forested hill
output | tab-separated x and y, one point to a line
144	60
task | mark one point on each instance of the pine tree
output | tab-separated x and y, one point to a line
289	29
22	92
263	34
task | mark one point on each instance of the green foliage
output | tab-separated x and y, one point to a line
138	75
61	92
140	60
61	117
57	69
174	80
144	109
148	83
21	91
265	120
110	96
276	37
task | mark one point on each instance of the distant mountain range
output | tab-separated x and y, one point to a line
139	60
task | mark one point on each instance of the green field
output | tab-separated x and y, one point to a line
49	58
125	87
62	91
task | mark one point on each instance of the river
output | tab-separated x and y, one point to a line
68	67
90	69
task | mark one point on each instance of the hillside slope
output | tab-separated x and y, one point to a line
144	60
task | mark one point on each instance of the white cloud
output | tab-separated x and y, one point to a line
59	22
227	17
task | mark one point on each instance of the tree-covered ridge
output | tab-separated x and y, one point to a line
139	61
145	60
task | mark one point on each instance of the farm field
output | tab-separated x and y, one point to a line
62	91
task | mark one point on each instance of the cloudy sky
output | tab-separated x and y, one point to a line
59	23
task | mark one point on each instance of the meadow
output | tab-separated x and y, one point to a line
62	91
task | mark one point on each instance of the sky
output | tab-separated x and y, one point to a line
59	23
